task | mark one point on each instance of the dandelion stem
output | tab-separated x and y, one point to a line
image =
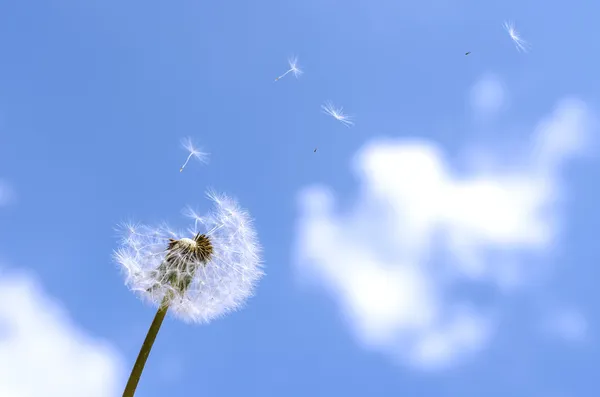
283	75
186	162
140	362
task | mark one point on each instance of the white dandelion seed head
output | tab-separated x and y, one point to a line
194	151
520	44
337	113
293	62
216	287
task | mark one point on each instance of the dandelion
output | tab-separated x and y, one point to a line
293	62
520	44
337	113
194	152
199	275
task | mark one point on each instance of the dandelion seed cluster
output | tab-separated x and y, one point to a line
204	273
337	112
328	108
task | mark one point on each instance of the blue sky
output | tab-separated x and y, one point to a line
95	97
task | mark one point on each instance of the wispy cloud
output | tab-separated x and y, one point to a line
42	353
566	323
488	96
419	230
7	194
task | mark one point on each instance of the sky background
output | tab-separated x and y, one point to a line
445	245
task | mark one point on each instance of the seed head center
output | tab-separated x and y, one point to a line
186	244
198	249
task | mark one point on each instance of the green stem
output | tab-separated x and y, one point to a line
140	362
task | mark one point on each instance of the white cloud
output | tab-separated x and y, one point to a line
488	95
419	231
42	353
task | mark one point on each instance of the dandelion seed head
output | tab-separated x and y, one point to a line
293	62
207	271
337	113
194	151
520	44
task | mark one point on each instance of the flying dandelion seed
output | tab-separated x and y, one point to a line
195	152
520	44
293	62
200	275
337	113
